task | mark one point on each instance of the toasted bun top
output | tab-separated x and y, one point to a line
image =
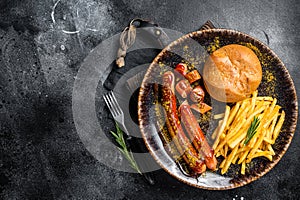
232	73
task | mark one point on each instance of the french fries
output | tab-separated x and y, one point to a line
230	136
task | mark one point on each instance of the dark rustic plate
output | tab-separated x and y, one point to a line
194	48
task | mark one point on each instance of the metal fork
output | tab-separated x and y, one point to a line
118	116
116	111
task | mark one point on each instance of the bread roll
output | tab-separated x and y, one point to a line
232	73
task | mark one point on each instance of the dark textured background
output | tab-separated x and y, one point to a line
41	155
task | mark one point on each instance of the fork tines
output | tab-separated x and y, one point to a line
112	104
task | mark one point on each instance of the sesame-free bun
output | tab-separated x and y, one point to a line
232	73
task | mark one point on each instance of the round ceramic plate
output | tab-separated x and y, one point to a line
194	49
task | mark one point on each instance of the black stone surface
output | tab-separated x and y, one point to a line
41	154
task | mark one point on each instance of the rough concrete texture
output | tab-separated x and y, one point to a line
43	44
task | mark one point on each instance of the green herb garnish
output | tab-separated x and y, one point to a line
123	148
252	129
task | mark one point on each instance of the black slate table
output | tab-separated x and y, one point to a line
43	44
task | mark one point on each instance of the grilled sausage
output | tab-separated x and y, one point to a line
196	135
174	128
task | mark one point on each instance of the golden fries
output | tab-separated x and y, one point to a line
248	130
216	135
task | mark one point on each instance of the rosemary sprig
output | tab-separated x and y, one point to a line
119	137
252	129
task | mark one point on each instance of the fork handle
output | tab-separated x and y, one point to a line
124	129
142	161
